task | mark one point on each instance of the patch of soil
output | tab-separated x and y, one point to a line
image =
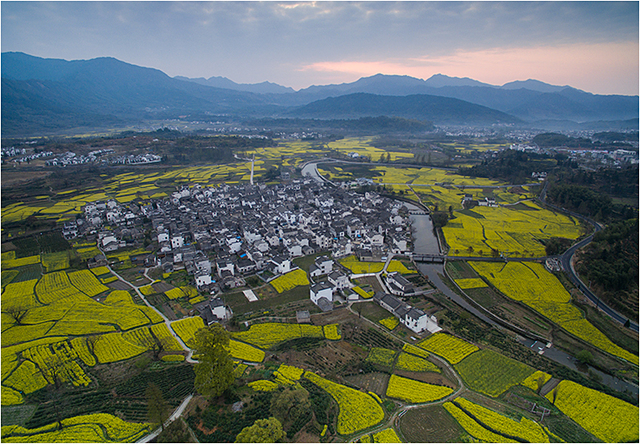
372	382
118	285
303	436
428	377
161	287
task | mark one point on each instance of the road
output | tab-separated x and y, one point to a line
567	264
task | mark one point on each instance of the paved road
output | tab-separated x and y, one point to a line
567	264
175	415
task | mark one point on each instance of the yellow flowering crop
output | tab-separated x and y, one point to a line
357	267
174	293
245	352
533	285
20	294
11	396
609	419
386	435
161	332
148	290
81	349
382	356
100	271
472	427
54	286
362	293
391	322
290	280
97	427
471	283
415	350
86	282
239	369
26	378
262	385
269	334
113	347
57	360
532	381
398	266
187	328
491	373
524	429
358	410
331	332
413	363
9	260
288	373
415	391
449	347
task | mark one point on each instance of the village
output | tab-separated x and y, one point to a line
223	235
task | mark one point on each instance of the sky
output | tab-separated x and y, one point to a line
592	46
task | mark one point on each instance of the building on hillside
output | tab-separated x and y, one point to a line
321	294
414	319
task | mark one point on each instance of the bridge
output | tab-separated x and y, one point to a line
418	212
429	258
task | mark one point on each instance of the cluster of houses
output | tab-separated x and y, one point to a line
469	202
220	235
70	158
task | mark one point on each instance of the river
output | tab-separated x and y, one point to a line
426	242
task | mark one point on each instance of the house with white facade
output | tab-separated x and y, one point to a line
321	294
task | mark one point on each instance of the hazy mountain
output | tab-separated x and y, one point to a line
40	95
223	82
440	110
533	85
85	92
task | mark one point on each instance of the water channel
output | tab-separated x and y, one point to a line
425	242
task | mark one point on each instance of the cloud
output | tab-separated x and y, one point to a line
301	43
587	66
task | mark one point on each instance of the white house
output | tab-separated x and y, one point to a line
339	280
282	264
177	241
163	237
202	280
321	294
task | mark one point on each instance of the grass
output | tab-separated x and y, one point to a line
430	424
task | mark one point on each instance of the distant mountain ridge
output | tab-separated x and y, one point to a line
40	95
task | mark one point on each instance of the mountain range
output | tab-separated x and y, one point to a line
42	96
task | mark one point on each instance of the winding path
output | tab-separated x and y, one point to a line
406	407
567	263
176	414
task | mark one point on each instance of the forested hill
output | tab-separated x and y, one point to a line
436	109
611	264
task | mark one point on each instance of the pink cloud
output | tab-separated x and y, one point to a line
606	68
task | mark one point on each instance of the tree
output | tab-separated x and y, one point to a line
263	430
584	356
290	404
381	158
17	313
157	407
214	371
540	383
554	394
388	157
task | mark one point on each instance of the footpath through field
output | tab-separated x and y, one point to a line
406	407
176	414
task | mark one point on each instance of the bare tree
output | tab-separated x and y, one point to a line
540	383
17	313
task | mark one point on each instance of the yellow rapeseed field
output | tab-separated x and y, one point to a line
533	285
